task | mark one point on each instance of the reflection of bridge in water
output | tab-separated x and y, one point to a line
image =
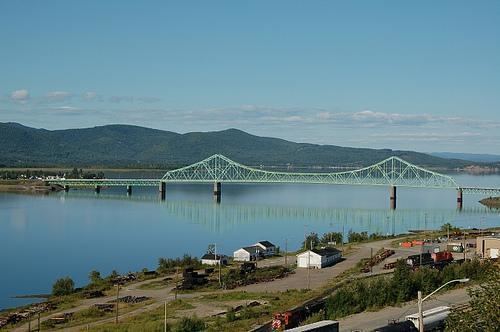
221	216
217	169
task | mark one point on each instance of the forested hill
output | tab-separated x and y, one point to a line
132	146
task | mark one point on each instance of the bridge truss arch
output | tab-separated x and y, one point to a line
392	171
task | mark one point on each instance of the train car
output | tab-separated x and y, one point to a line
414	260
433	318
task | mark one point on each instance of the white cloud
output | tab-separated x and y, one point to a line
20	95
55	96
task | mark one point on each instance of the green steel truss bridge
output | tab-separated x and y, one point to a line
393	172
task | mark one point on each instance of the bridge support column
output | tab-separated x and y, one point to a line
460	199
392	197
97	189
217	191
129	190
163	190
66	188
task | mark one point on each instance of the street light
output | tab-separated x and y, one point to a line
421	300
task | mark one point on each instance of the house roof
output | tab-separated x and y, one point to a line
326	251
252	249
266	244
212	257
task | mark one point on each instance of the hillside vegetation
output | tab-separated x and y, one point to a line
132	146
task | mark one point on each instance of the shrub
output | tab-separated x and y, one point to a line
63	286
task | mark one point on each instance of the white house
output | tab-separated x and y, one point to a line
268	249
247	254
318	258
211	259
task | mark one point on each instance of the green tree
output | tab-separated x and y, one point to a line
331	237
95	277
357	237
449	227
313	239
113	275
483	312
63	286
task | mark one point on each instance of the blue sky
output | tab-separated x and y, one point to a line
422	75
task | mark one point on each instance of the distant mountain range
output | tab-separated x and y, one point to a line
132	146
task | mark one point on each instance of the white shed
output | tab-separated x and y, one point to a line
247	254
318	258
211	259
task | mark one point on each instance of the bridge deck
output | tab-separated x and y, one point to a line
217	168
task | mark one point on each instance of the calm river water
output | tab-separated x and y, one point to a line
43	238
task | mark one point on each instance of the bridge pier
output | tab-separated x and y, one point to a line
460	199
163	190
217	191
97	189
392	197
66	188
129	190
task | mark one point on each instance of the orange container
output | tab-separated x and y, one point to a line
406	244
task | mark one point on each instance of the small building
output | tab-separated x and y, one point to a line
318	258
488	246
211	259
247	254
268	249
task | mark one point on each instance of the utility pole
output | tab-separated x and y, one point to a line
165	319
420	314
421	252
371	260
309	267
117	297
218	262
286	253
176	282
465	245
220	270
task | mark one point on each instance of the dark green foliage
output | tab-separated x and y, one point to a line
230	316
403	286
357	237
95	277
132	146
113	275
63	286
311	241
449	227
192	324
166	265
363	236
331	237
483	314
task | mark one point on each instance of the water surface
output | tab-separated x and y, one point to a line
43	238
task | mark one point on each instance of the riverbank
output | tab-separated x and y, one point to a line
27	186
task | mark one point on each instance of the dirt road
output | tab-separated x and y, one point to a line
298	280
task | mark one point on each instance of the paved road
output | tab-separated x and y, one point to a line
367	321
